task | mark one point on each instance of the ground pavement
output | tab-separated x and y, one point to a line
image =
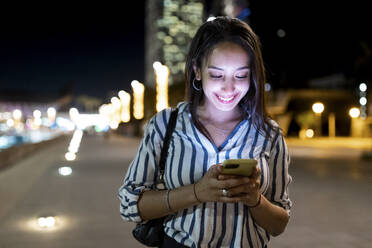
331	194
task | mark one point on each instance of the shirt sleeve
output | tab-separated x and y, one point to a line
278	191
143	170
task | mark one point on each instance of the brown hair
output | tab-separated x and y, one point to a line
226	29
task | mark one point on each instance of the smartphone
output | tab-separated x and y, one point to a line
241	167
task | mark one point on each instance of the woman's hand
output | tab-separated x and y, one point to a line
248	193
210	187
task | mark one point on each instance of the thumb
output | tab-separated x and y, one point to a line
215	170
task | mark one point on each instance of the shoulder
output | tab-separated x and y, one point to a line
272	124
160	120
274	129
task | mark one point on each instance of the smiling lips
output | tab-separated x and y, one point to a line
226	100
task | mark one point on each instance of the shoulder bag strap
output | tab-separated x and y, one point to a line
164	151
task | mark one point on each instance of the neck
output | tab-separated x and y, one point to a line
214	115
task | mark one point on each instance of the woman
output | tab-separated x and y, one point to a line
223	118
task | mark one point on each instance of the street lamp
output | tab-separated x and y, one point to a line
162	73
125	106
318	109
138	95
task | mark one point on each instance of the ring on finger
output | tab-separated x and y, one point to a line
225	192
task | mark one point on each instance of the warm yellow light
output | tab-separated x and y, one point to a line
17	114
125	106
116	102
318	107
114	125
138	99
309	133
162	74
354	112
157	65
104	109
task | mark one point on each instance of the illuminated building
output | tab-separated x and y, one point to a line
170	25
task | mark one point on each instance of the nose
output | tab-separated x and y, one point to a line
228	86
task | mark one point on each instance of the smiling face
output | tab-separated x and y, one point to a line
225	77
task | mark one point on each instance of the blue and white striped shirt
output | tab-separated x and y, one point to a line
191	154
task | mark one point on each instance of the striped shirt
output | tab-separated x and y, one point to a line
191	154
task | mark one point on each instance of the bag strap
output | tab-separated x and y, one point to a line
164	151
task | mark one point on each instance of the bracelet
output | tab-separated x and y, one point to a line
167	201
196	197
258	203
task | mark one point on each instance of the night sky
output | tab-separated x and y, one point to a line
322	38
96	49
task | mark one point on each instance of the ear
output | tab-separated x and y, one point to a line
197	72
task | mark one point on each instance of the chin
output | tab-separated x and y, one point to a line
225	108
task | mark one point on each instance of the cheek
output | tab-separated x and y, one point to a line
209	86
244	87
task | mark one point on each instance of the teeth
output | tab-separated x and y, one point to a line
225	99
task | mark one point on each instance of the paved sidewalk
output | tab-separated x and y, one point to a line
331	193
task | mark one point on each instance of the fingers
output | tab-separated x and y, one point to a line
256	173
232	181
237	188
226	177
253	186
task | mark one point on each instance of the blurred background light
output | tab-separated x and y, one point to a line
114	125
70	156
267	87
363	100
318	107
74	113
162	74
47	222
37	114
52	113
10	122
138	99
281	33
17	114
354	112
363	87
125	106
309	133
65	171
211	18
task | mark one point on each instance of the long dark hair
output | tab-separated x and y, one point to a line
226	29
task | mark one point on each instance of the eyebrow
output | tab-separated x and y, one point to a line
218	68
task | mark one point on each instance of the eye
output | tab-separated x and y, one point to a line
215	76
242	76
